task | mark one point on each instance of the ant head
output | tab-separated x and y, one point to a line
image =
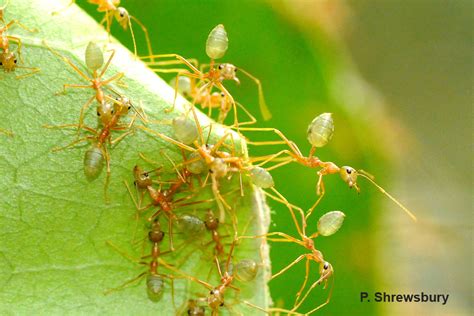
349	175
228	72
142	179
122	105
105	112
211	222
122	17
8	61
215	299
325	271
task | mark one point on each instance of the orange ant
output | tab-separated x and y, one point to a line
325	268
94	59
319	133
8	58
215	298
154	280
112	10
164	199
203	157
95	156
216	47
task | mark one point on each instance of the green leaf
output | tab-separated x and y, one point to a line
54	223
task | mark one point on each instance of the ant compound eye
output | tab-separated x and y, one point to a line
129	107
1	64
98	113
112	112
211	292
15	61
222	94
222	304
326	266
349	171
235	69
221	66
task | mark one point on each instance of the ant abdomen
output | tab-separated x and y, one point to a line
93	163
94	56
217	42
246	270
191	225
261	177
320	130
154	287
185	130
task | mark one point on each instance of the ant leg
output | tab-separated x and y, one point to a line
298	294
170	229
232	101
266	159
115	141
71	2
280	198
26	28
266	114
285	238
84	107
301	257
307	294
168	139
115	77
67	61
126	284
32	72
181	60
107	176
137	204
147	35
314	206
183	275
73	144
252	118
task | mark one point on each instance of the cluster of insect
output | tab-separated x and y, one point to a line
194	200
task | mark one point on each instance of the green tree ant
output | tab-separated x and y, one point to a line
216	47
164	199
319	133
98	153
325	268
8	57
94	59
154	280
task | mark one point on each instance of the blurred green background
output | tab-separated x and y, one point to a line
403	113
